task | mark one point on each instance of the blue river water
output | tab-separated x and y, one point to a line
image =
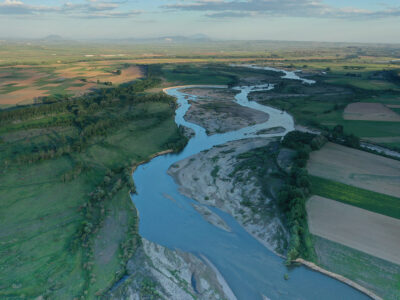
169	219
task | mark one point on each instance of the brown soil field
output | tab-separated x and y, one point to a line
28	91
30	77
27	77
76	72
127	75
23	96
358	168
369	232
393	105
370	112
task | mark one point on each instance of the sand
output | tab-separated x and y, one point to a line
195	179
216	111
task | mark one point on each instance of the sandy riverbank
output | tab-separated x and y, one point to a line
206	177
215	110
170	274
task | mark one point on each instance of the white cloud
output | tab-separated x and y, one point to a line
293	8
87	9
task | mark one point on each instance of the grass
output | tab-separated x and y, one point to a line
375	85
40	253
377	275
191	74
371	128
372	201
326	110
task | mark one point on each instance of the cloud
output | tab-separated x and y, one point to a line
15	7
86	9
291	8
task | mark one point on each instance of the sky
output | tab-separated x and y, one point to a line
293	20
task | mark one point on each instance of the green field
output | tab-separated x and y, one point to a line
377	275
68	223
379	203
191	74
376	85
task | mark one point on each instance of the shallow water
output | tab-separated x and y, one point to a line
168	218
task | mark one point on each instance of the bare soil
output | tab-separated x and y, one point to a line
370	112
369	232
26	79
358	168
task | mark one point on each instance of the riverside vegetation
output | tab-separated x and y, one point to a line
290	185
64	184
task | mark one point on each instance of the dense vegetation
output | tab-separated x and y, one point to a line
68	224
291	187
261	164
295	192
369	200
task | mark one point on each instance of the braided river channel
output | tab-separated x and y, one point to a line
251	270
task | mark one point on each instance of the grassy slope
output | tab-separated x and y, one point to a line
375	274
40	213
379	203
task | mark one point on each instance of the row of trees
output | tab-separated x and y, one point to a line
294	194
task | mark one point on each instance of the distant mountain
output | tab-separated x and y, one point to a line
166	39
53	37
199	36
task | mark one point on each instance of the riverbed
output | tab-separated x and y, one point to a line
170	219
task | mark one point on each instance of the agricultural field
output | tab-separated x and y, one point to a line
356	168
343	246
377	275
370	112
360	95
372	201
354	190
25	84
345	224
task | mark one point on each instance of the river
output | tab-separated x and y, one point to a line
169	219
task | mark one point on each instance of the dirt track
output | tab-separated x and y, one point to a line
357	168
354	227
